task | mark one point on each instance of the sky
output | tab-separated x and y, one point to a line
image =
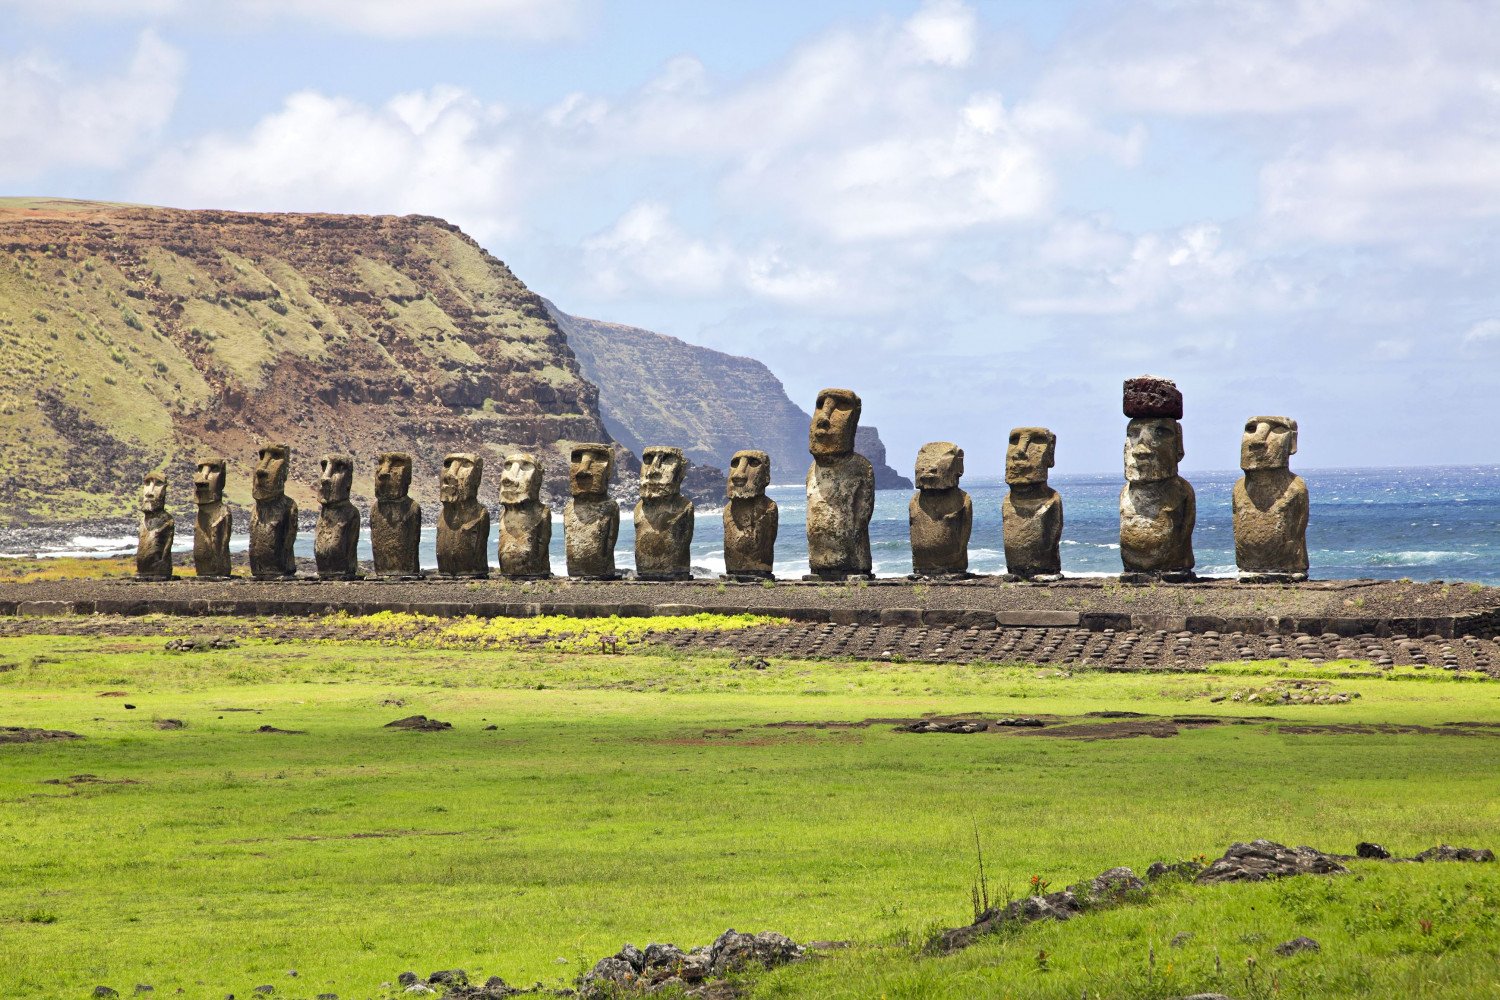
977	215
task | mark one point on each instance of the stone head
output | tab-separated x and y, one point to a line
393	476
521	479
1268	443
590	468
749	475
1029	454
940	465
208	480
153	493
662	469
271	465
834	422
335	478
1153	447
459	482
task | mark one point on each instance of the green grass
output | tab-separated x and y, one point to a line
644	797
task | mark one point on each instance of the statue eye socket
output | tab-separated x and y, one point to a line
754	463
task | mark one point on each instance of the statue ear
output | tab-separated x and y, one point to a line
1294	443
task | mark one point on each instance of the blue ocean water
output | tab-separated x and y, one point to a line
1423	523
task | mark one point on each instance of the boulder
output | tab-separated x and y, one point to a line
1297	944
1446	852
1265	859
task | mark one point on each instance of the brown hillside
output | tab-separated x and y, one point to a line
132	339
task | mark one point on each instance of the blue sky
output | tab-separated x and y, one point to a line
978	215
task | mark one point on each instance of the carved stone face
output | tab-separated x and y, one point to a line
521	480
335	478
460	479
590	468
208	481
834	422
662	470
271	467
749	475
1028	456
1153	447
940	464
153	493
393	476
1268	443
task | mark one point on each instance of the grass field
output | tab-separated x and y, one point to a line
640	798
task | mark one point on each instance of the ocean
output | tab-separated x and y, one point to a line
1423	523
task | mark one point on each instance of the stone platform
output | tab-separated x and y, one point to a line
1347	608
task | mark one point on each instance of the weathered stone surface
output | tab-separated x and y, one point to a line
336	541
1264	859
1447	852
591	520
153	550
1270	502
751	518
1296	945
211	528
940	515
463	535
1150	397
396	519
1157	506
525	522
1032	516
273	518
840	490
1372	852
663	517
1109	885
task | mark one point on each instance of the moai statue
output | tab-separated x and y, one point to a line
463	535
940	514
1157	506
153	550
525	522
273	519
1270	504
663	517
840	491
212	528
1032	517
591	520
396	520
750	518
336	543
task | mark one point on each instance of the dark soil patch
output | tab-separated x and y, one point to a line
169	724
419	723
114	694
21	734
1386	728
282	732
257	711
89	779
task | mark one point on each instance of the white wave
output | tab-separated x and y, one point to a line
1418	558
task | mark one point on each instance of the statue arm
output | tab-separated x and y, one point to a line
1300	506
613	532
968	526
864	501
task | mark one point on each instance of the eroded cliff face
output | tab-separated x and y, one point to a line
133	339
656	389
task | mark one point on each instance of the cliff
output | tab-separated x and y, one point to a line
655	389
132	339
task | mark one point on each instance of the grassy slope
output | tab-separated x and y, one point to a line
144	342
638	798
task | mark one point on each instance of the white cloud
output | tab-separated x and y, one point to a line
438	152
522	19
1384	191
1391	349
51	119
943	32
646	250
1482	334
